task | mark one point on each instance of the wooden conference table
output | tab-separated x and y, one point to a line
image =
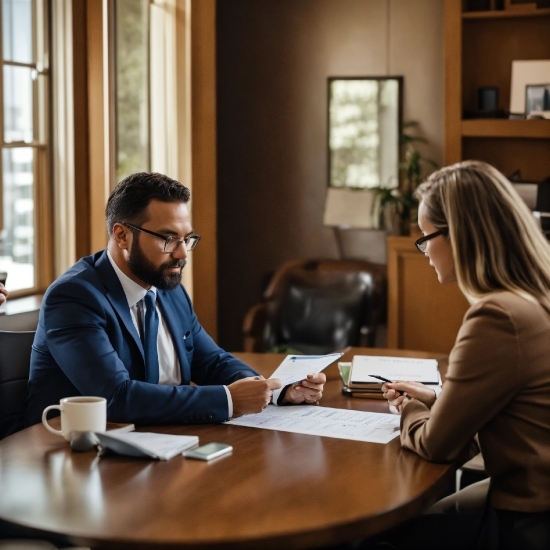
276	490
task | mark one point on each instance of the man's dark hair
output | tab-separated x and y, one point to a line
131	197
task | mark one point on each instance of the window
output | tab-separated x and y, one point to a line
364	123
132	87
25	150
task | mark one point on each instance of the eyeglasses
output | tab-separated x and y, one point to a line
422	243
171	244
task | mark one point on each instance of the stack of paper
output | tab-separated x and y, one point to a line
362	384
345	369
146	445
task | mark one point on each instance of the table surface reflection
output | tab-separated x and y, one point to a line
275	490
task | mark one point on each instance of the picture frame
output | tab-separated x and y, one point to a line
526	73
537	98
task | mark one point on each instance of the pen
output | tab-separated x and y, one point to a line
386	380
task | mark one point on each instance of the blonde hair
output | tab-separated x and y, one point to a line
497	243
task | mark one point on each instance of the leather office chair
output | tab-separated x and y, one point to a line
15	357
318	306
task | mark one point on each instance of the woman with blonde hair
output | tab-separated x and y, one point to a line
478	232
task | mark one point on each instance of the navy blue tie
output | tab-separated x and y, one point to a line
149	338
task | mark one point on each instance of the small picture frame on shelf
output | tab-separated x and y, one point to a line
537	98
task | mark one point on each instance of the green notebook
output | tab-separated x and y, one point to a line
344	369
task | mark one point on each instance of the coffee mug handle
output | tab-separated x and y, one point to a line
45	420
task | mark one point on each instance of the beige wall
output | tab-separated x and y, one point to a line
273	61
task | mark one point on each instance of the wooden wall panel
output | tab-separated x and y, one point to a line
273	61
81	142
423	314
453	80
99	122
204	169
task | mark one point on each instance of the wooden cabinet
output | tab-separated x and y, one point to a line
479	49
423	314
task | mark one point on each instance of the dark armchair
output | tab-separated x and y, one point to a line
318	306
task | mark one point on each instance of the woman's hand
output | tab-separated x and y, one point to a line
399	394
3	294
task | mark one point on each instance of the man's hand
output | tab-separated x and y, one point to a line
307	391
399	394
3	294
251	395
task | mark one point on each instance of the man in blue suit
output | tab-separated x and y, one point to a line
119	324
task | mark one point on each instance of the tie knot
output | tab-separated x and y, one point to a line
150	299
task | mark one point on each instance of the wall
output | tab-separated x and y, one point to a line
273	61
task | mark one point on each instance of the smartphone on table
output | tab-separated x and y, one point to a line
208	451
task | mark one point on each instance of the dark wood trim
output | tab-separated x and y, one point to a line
204	161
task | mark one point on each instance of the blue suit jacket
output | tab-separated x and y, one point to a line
87	344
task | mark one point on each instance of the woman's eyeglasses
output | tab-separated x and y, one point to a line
422	243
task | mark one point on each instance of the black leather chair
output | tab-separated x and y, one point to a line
318	306
15	357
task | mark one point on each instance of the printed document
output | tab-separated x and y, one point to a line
296	367
393	368
325	421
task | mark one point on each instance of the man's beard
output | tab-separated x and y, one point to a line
143	269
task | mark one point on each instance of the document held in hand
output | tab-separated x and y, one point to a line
392	368
295	368
145	444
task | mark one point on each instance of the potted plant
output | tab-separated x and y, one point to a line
394	209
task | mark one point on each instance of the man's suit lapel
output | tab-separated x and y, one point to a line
175	324
117	298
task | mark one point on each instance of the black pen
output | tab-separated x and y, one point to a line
386	380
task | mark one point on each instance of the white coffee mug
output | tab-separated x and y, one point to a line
81	414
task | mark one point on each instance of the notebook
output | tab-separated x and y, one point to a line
424	371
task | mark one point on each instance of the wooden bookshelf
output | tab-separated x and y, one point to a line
505	14
502	128
479	49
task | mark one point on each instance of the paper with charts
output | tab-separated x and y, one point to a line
296	367
325	421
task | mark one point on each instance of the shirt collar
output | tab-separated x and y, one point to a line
134	292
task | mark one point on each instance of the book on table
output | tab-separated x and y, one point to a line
344	368
396	369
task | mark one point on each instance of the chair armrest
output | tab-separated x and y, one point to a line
253	328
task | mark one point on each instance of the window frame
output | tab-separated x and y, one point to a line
41	145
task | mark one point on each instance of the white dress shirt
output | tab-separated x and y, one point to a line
169	367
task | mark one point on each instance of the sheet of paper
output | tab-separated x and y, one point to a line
296	367
325	421
393	368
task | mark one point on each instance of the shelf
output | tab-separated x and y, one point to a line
505	14
504	128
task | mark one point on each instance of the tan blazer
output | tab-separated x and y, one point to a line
497	385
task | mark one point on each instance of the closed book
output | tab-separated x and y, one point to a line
364	394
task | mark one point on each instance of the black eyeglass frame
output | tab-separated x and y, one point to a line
420	242
167	240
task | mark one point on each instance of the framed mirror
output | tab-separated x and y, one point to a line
364	124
